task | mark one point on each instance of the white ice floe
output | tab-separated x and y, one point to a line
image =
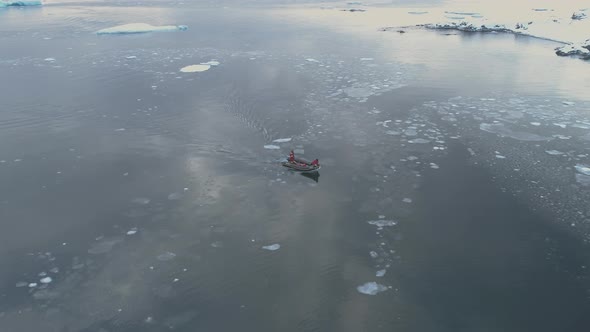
583	169
282	140
373	254
367	59
380	273
554	152
434	166
195	68
211	63
132	231
272	147
33	284
382	223
499	156
49	59
46	280
311	60
272	247
166	256
407	200
133	28
536	124
371	288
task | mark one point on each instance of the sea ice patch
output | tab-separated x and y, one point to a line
371	288
272	147
134	28
272	247
195	68
282	140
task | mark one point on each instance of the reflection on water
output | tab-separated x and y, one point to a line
136	197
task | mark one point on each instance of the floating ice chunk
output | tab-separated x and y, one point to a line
272	247
120	129
358	92
141	200
407	200
311	60
272	147
419	141
174	196
373	254
501	130
211	63
579	15
392	132
434	166
382	223
282	140
536	123
412	158
104	246
46	280
33	284
167	256
554	152
371	288
471	152
499	156
568	103
129	57
584	169
20	3
561	125
380	273
132	231
22	284
195	68
367	59
140	28
49	59
54	270
217	244
381	216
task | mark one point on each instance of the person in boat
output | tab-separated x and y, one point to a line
292	157
315	163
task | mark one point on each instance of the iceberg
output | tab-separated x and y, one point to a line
580	49
20	3
133	28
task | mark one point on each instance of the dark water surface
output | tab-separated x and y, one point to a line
146	194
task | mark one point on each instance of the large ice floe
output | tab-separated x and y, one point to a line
133	28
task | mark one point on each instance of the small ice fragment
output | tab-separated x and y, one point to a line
282	140
561	125
367	59
471	152
211	63
554	152
195	68
149	320
33	284
46	280
272	147
380	273
42	274
499	156
419	141
175	280
141	200
569	103
49	59
131	57
382	223
120	129
371	288
407	200
167	256
392	132
134	28
311	60
132	231
174	196
536	123
583	169
381	216
272	247
54	270
373	254
104	246
217	244
21	284
434	166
